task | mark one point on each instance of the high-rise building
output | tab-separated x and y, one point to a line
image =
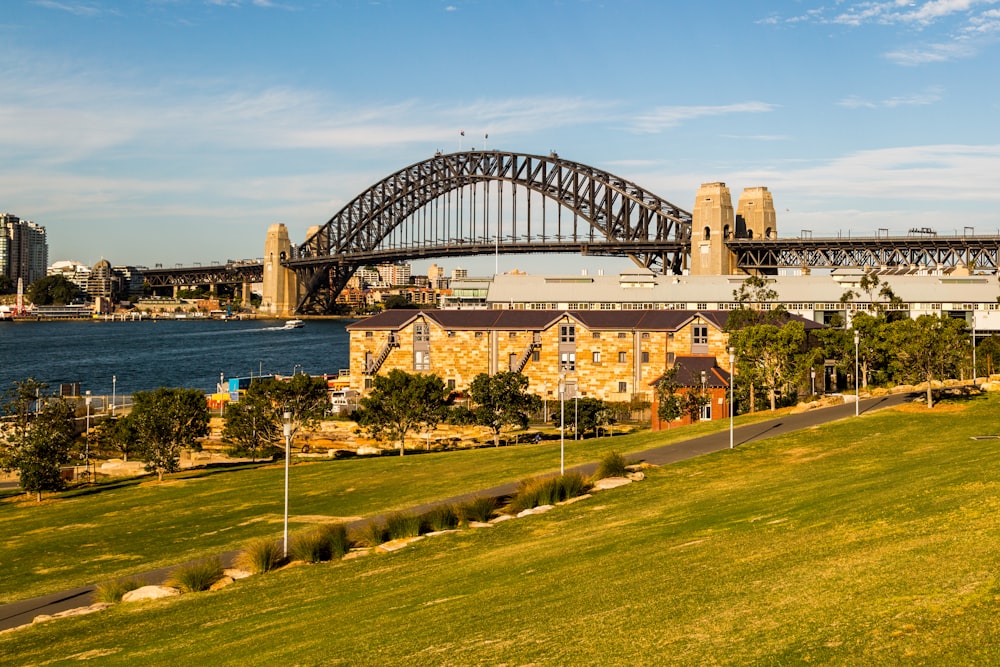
24	252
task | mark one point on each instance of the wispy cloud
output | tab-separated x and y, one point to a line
663	118
77	8
929	96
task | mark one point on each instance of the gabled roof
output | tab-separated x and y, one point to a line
689	370
387	319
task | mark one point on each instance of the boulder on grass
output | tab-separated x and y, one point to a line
150	593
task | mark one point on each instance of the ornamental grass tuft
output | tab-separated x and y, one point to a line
261	555
441	517
320	543
402	524
370	534
546	491
612	464
112	591
196	576
481	508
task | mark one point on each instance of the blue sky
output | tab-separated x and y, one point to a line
177	130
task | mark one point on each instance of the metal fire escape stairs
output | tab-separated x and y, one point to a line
376	363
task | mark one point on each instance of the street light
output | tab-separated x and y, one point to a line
857	393
87	447
114	387
812	378
702	415
576	416
287	428
562	424
732	381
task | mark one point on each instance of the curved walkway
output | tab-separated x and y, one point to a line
21	613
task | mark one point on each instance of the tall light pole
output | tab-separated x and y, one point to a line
114	388
87	447
562	424
732	382
576	416
812	378
702	415
857	393
287	428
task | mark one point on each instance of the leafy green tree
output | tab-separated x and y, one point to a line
305	398
6	284
165	421
400	402
251	424
755	297
693	402
669	404
397	301
39	437
768	357
988	356
591	415
930	348
501	400
117	435
53	290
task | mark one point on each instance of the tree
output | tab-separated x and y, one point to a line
767	357
694	402
303	397
669	406
117	435
6	284
591	414
39	436
400	402
754	296
930	348
57	290
165	421
251	425
398	301
501	400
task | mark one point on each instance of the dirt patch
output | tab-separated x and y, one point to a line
937	409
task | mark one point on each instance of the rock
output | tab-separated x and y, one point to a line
479	524
221	583
369	451
501	518
150	593
235	573
611	483
636	476
396	545
575	499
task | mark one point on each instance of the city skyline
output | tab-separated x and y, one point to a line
168	131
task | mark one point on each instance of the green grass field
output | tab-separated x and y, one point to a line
870	541
94	534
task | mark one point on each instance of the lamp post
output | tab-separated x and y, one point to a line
857	393
562	424
732	382
86	454
114	388
812	378
576	416
702	408
287	428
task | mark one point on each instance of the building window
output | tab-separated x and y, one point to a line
567	361
645	334
421	360
369	334
700	336
596	334
645	357
622	357
421	333
368	383
451	334
479	334
622	387
622	334
597	357
567	333
536	355
451	385
702	306
670	358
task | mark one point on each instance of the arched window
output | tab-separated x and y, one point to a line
707	234
749	233
725	232
767	233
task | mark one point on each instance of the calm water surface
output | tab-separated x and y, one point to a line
180	353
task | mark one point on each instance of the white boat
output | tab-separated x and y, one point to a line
293	324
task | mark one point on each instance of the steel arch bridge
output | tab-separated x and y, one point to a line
456	204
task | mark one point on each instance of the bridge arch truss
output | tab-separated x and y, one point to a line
485	202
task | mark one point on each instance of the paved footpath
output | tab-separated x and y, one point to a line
20	613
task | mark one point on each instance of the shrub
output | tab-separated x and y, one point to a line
370	534
612	464
112	591
321	543
441	517
402	524
481	508
546	491
261	555
197	576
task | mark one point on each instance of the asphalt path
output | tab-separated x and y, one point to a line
21	613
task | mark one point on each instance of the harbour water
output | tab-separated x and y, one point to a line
166	353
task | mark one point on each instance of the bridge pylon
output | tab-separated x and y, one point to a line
280	284
714	224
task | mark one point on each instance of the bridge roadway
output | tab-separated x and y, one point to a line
975	252
21	613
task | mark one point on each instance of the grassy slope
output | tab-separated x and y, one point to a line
869	541
96	534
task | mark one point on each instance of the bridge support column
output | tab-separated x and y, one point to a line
247	295
176	289
755	216
712	223
281	288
